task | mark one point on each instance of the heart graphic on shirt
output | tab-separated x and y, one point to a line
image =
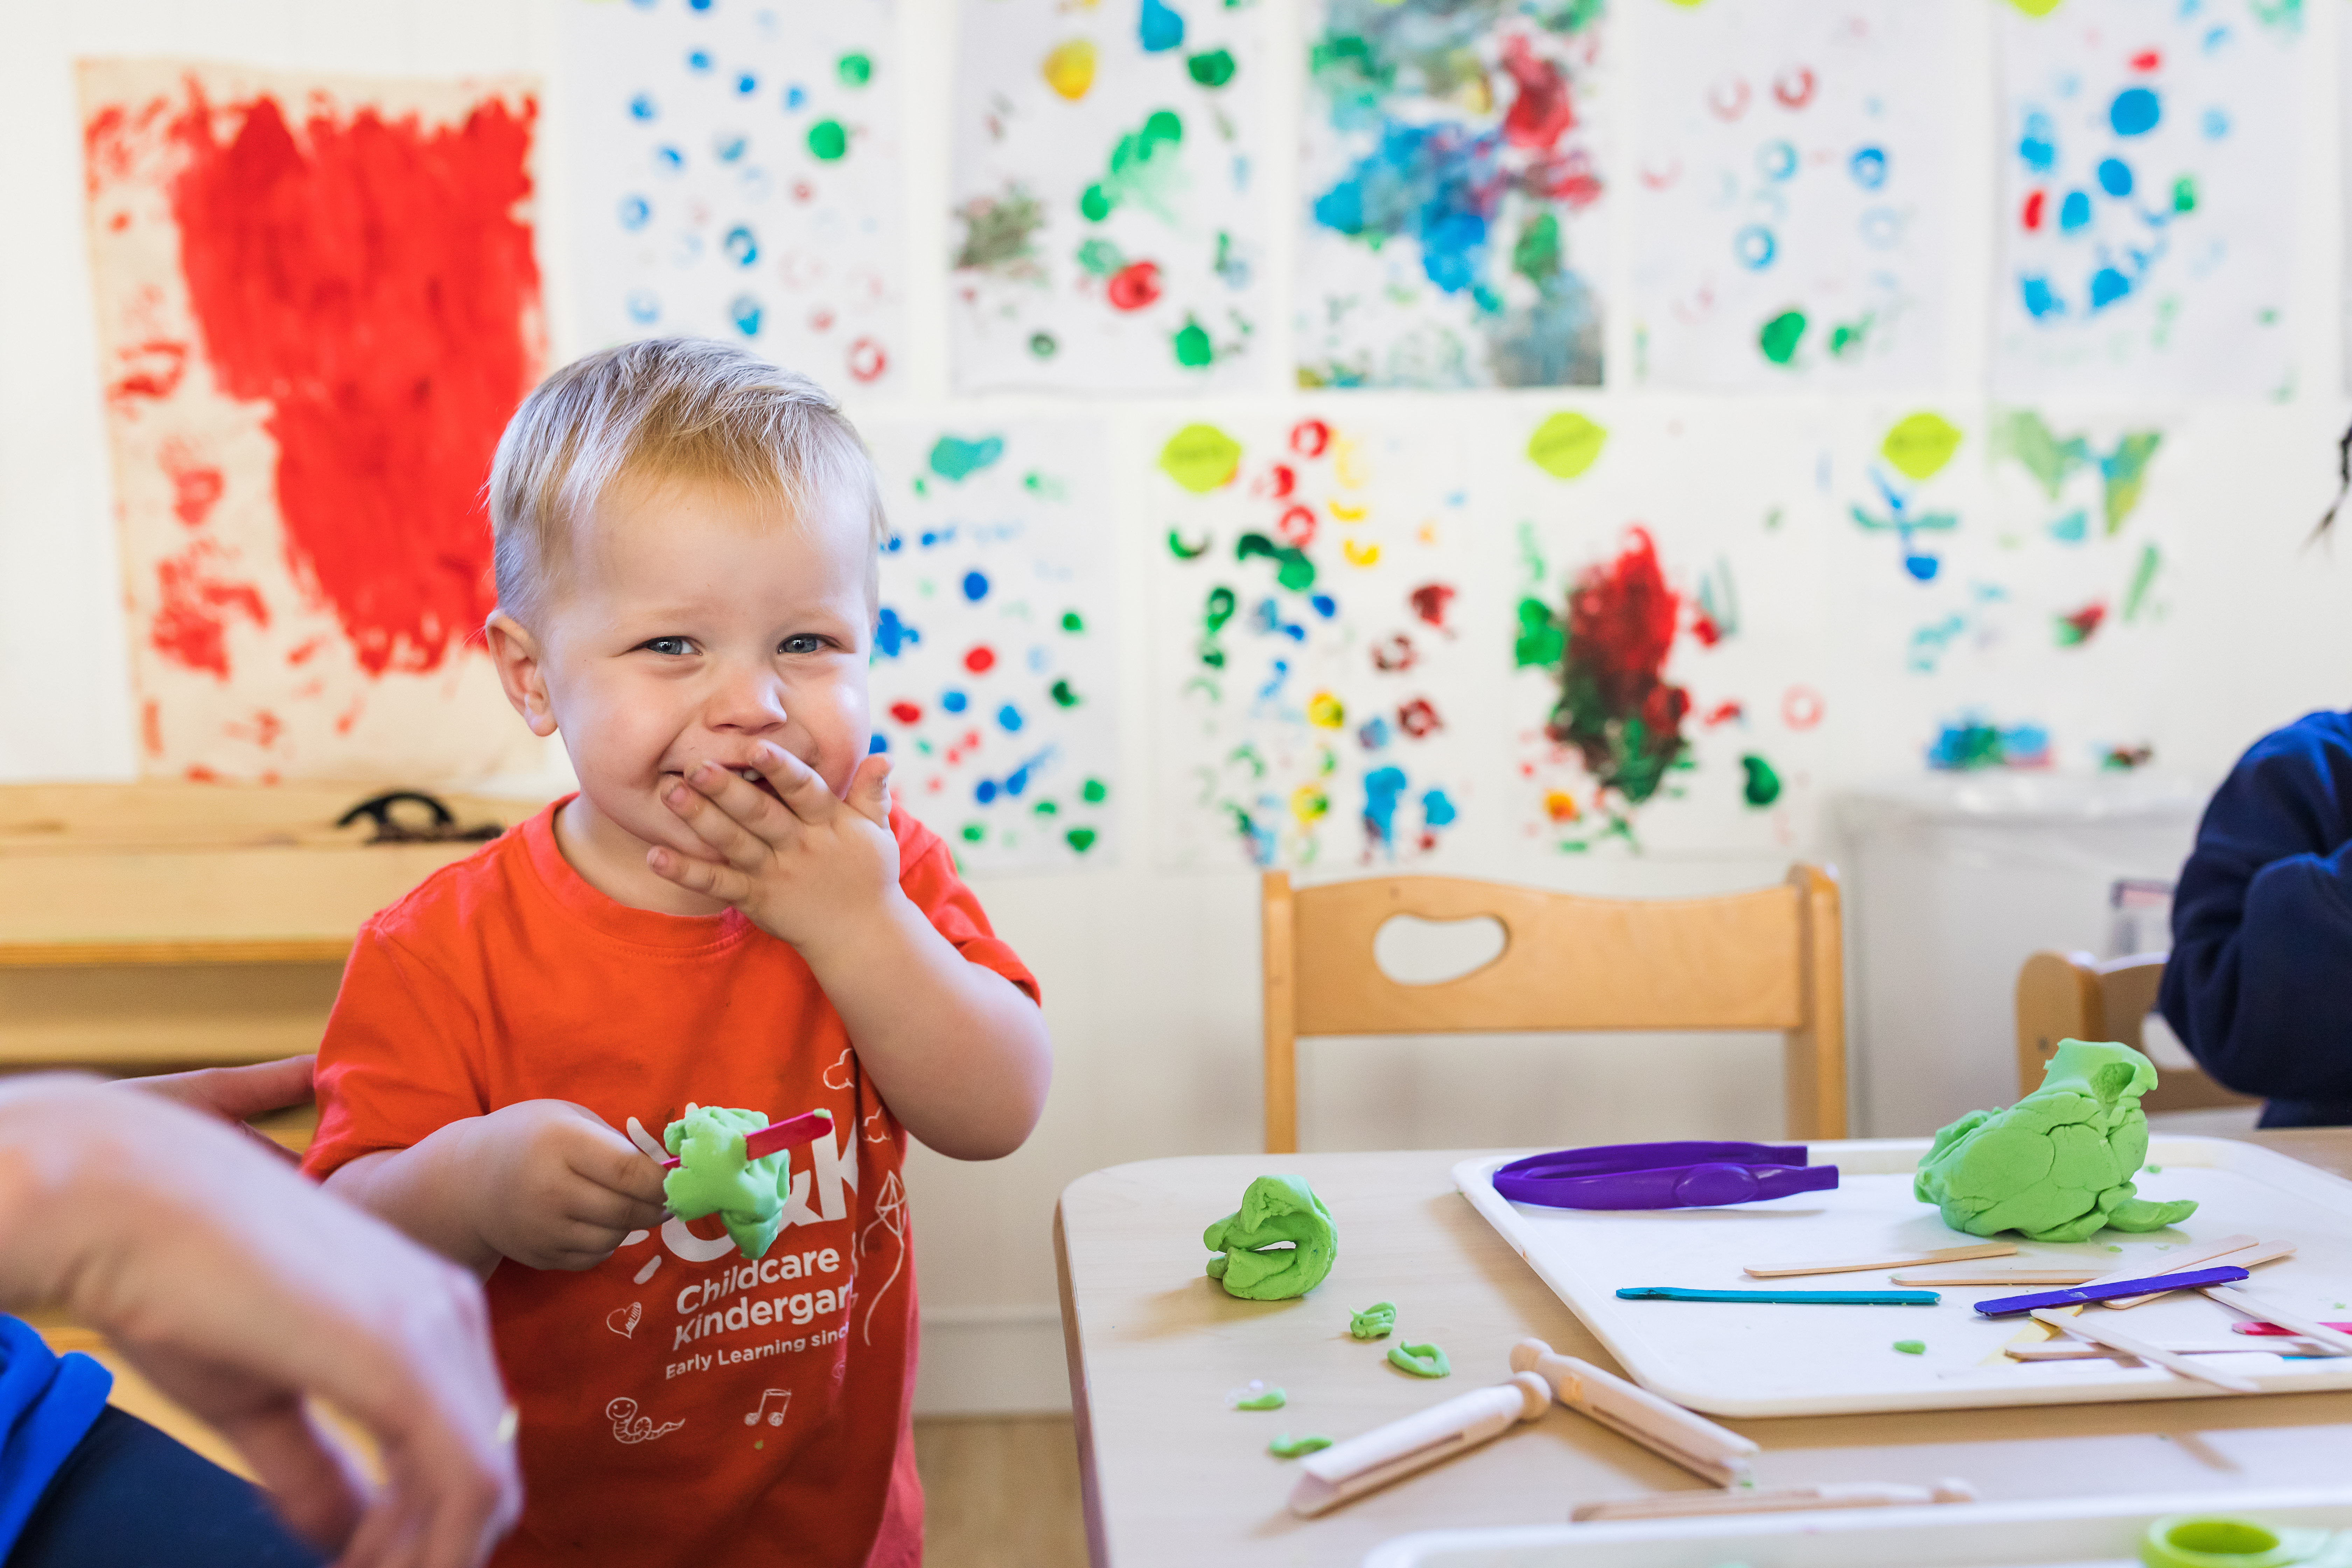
623	1320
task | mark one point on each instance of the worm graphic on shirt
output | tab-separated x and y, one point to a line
890	1215
628	1427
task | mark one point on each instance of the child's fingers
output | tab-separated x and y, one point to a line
799	786
736	819
869	790
724	883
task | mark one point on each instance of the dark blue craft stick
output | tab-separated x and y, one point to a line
2081	1295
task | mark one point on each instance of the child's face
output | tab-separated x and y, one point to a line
699	621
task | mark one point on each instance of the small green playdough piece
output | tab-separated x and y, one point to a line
2057	1164
1373	1322
714	1177
1272	1399
1290	1447
2156	1170
1275	1209
1422	1360
1912	1347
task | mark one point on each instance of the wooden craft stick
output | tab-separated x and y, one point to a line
2221	1251
2079	1350
2132	1344
1784	1500
1862	1264
2264	1252
2254	1307
1690	1440
1994	1277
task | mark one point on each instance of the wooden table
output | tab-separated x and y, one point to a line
1173	1476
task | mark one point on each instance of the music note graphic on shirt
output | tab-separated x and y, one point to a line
784	1398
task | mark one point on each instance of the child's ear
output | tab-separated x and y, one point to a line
516	652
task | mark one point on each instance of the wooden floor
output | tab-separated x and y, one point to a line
1000	1492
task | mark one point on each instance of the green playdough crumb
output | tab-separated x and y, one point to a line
1290	1447
1373	1322
1275	1209
2113	1247
1272	1399
2156	1170
1912	1347
1422	1360
2056	1165
714	1177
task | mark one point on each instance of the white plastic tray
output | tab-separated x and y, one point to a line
1737	1360
2066	1534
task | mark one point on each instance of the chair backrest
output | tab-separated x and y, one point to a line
2071	996
1768	958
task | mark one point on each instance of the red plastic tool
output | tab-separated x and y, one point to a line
801	1129
2274	1329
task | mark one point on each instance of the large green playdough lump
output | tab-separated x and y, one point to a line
2058	1164
1275	1209
714	1177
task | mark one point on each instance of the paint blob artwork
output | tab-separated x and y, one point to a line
2146	198
1106	229
1454	193
1792	195
1316	648
994	674
1672	676
735	175
300	448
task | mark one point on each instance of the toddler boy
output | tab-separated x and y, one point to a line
730	912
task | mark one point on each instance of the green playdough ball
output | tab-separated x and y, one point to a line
1275	1209
714	1177
1373	1322
2057	1165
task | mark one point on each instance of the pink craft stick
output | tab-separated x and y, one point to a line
801	1129
2274	1329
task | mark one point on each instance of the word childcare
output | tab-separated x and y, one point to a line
700	1318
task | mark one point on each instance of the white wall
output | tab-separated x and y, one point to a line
1151	977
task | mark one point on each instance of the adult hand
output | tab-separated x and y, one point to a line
235	1094
242	1292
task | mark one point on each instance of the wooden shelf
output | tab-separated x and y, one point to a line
81	954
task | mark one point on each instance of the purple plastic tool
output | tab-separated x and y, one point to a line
1662	1175
2082	1294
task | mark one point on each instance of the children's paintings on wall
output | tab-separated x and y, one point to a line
995	653
2146	197
1454	193
1792	193
1672	668
316	305
735	175
1316	644
1106	231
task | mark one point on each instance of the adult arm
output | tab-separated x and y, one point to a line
242	1292
2259	983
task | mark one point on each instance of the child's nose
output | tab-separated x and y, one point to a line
747	700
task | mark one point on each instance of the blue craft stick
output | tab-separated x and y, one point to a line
2081	1295
1786	1298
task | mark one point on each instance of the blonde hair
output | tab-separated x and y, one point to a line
679	408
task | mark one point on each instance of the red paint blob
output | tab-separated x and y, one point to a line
866	360
906	713
1722	713
1702	627
1310	438
980	661
1794	89
1428	602
1134	286
154	369
2146	61
1616	708
1296	527
1569	177
1419	719
370	280
191	623
2085	621
1801	708
1540	114
195	487
1394	652
2035	204
1276	483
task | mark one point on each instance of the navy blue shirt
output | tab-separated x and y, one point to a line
47	1404
2259	983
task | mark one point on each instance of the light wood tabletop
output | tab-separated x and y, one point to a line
1172	1474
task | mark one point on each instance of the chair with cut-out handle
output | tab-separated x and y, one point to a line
1767	958
2074	996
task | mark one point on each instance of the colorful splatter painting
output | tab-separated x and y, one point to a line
1454	193
1315	648
1671	686
2146	197
734	174
995	665
1791	200
1107	229
317	304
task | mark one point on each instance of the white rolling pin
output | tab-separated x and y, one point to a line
1345	1471
1666	1429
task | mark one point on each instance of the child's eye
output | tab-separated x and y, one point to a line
804	643
675	646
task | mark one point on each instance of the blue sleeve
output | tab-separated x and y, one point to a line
47	1405
2259	984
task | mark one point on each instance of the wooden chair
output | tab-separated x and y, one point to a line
2074	996
1768	958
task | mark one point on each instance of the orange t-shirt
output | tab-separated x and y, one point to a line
679	1405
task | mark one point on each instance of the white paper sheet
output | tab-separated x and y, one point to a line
735	174
1106	229
2146	198
1792	197
995	669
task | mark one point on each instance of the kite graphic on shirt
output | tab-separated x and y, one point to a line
889	1214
